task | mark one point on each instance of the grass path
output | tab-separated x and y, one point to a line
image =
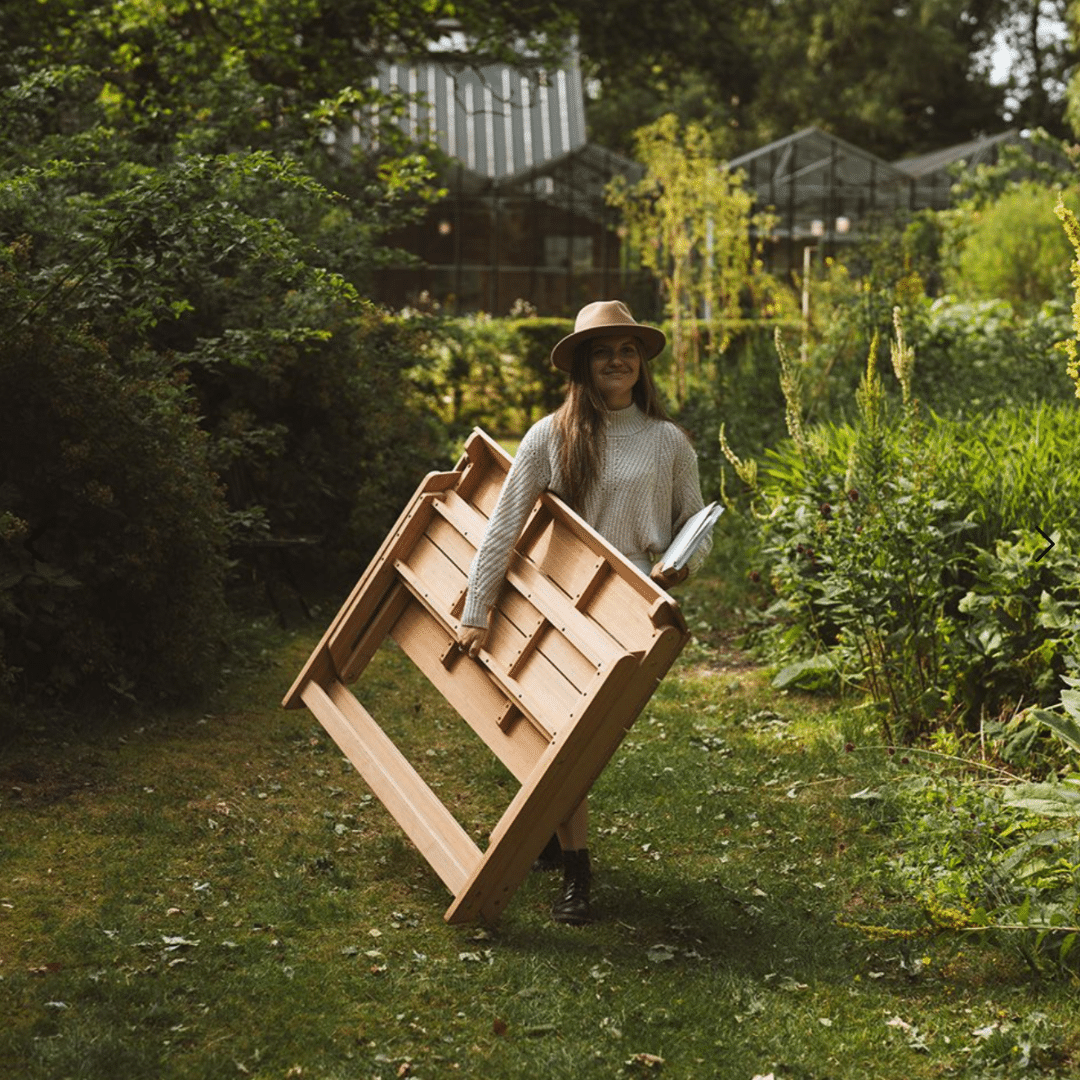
216	896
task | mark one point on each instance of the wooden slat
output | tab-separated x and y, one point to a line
438	578
416	808
468	689
432	483
354	619
367	644
643	585
540	703
557	553
449	541
588	637
560	781
576	668
485	458
614	605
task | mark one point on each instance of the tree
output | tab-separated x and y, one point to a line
688	221
1036	31
895	78
179	232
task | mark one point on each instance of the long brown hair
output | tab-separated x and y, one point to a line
579	421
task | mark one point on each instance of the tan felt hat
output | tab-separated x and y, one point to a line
605	317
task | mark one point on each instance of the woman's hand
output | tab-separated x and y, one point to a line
665	581
471	639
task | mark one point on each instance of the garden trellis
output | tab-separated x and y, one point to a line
579	640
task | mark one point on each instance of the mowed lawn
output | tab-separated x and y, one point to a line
217	895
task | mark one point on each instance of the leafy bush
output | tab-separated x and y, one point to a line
979	851
883	541
978	356
113	528
476	370
1014	249
179	277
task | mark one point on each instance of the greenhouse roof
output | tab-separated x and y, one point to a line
819	184
972	153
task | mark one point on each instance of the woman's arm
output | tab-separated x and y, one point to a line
529	475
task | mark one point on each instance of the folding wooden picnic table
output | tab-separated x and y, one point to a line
579	640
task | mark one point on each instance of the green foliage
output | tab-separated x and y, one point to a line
984	853
1072	230
983	856
113	528
884	541
976	357
1014	250
493	373
687	223
175	212
894	79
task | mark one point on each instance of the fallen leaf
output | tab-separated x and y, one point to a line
650	1061
177	942
499	1026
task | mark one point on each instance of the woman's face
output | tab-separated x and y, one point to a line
615	365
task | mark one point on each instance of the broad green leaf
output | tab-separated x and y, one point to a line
1065	728
804	671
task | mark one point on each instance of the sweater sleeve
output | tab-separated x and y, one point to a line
529	475
686	498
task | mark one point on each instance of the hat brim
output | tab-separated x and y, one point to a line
562	356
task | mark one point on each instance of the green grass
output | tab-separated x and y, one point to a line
217	895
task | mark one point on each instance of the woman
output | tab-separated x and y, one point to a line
611	452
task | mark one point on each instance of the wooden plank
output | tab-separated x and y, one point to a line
469	690
344	642
618	608
559	782
450	542
413	805
431	483
641	583
540	704
556	552
562	778
588	637
575	667
485	457
434	574
367	645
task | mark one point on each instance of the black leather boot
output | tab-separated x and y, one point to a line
572	907
551	857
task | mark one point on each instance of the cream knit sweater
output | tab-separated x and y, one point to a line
648	486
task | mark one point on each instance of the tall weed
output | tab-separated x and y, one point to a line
901	551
